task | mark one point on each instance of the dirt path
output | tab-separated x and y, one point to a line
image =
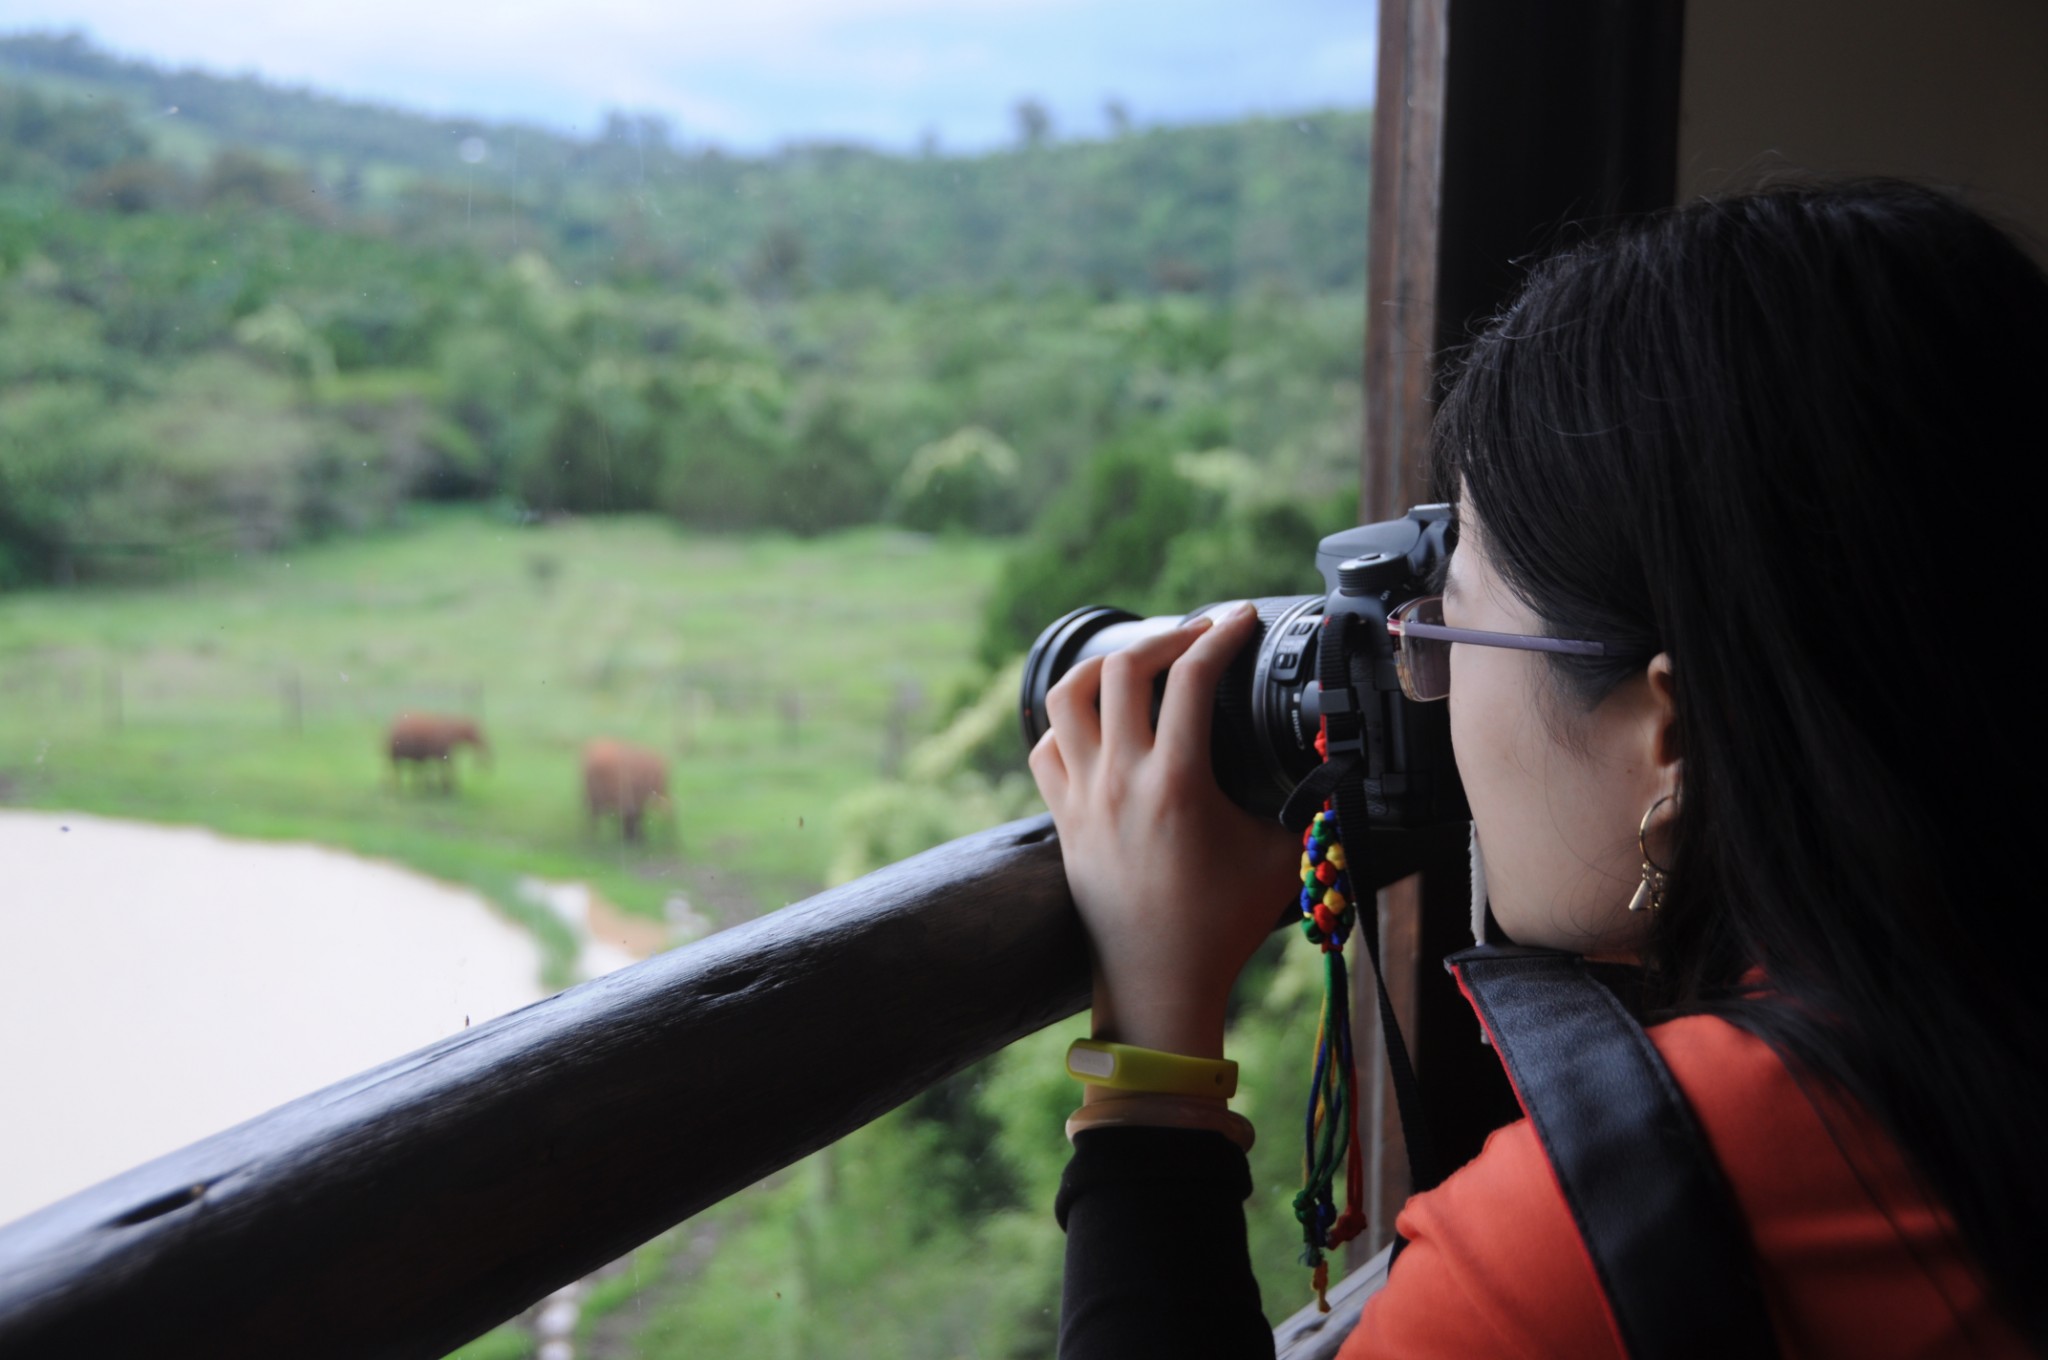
158	984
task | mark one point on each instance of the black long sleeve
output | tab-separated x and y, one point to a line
1157	1263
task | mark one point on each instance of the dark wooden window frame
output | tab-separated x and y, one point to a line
407	1209
1505	127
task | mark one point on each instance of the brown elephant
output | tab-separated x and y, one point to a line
427	740
625	781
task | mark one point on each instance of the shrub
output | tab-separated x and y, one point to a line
726	450
586	462
830	478
968	480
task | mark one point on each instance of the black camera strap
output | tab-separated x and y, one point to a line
1658	1219
1354	745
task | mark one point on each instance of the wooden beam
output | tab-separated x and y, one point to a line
404	1211
1401	257
1400	339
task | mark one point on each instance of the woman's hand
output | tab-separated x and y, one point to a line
1176	884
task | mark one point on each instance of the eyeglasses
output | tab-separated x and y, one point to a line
1422	646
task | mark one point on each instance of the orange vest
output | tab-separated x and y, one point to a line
1856	1260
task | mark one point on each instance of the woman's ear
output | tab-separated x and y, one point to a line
1662	747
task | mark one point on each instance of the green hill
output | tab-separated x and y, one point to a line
275	316
1215	209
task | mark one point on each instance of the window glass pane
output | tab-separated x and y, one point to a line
488	496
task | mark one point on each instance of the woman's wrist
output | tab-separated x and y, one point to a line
1168	1022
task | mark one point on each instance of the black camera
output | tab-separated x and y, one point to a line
1314	656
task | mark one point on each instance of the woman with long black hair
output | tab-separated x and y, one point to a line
1769	452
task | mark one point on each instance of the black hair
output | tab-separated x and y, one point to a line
1783	438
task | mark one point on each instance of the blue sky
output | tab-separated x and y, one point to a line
756	73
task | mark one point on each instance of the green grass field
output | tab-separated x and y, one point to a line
770	671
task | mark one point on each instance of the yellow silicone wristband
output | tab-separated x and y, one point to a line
1123	1067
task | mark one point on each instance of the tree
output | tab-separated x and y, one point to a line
1034	123
830	478
777	269
583	464
132	186
968	480
240	180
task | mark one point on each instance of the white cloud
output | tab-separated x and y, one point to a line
324	41
493	58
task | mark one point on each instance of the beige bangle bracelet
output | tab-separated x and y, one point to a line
1149	1110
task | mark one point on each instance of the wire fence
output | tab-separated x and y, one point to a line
687	709
115	696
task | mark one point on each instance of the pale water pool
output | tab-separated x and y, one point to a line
158	984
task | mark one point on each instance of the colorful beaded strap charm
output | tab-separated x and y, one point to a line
1328	916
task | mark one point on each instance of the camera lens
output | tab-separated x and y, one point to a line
1260	745
1269	706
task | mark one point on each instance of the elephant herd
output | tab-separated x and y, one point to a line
620	780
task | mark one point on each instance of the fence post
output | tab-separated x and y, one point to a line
893	737
896	733
792	719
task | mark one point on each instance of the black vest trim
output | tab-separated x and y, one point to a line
1673	1256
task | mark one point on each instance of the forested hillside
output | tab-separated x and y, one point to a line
1204	209
234	317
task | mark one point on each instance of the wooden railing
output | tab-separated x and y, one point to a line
408	1209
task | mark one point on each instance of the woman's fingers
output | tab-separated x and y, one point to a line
1105	703
1049	768
1190	703
1070	711
1129	678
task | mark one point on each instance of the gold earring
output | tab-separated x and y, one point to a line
1650	892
